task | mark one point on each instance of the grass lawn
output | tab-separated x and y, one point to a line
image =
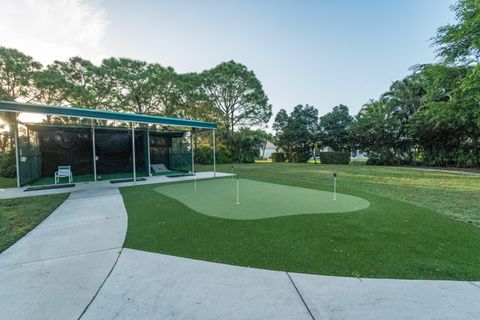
19	216
406	232
8	182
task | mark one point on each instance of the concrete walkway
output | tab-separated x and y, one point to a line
55	270
154	286
72	266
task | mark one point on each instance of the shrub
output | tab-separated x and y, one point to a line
302	156
278	157
8	168
204	155
335	157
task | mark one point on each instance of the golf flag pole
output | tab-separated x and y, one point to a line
232	172
238	192
334	186
195	183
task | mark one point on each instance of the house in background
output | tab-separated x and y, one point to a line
358	155
267	152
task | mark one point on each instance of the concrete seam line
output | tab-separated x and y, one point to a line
101	286
58	257
474	284
81	222
300	295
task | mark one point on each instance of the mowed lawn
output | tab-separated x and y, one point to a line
414	228
19	216
7	182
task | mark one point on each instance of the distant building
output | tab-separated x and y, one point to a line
358	155
269	149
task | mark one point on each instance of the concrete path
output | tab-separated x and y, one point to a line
154	286
55	270
72	266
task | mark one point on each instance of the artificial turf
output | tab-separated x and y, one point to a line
19	216
389	239
256	200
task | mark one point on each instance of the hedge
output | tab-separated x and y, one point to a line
278	157
335	157
204	155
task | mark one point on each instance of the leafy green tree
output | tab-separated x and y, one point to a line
246	144
333	131
17	72
460	42
373	131
134	85
238	94
296	133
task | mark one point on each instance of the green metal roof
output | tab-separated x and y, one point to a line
11	106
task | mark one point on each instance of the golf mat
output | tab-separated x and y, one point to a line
126	180
176	175
53	186
258	200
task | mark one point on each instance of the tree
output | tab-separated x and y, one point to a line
17	71
246	144
296	133
460	42
334	126
238	94
373	131
134	85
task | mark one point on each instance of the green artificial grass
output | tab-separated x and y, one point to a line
19	216
257	200
8	182
454	195
392	238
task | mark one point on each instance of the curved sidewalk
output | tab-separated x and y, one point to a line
55	270
147	285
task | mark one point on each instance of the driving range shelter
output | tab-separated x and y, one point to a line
100	145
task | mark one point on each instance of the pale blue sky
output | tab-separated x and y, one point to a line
318	52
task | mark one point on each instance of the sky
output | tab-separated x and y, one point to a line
322	53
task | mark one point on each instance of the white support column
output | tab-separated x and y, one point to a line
133	154
148	152
94	152
192	149
17	149
214	156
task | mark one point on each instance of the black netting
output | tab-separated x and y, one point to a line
160	149
71	147
114	151
45	147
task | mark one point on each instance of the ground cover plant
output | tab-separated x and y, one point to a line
7	182
408	231
19	216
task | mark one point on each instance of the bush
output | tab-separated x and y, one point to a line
204	155
335	157
8	167
301	156
278	157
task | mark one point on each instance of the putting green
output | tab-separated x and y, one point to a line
258	200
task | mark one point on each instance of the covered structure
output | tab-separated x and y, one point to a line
95	149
